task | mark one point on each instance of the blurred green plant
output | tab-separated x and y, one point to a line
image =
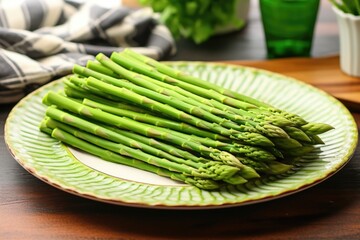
196	19
348	6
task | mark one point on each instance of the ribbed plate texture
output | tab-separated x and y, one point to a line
54	163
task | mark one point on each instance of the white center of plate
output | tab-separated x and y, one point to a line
121	171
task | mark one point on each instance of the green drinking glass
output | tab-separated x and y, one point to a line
289	26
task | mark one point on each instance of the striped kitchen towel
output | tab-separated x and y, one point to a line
40	40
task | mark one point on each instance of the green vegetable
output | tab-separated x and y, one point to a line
214	170
136	108
263	112
164	73
297	134
62	102
115	135
249	111
166	89
316	128
168	148
235	148
153	73
192	133
196	19
348	6
160	98
113	157
249	137
151	119
273	167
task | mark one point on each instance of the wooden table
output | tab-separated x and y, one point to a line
31	209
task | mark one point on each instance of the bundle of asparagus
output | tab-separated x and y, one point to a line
133	110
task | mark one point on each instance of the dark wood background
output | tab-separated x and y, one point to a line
31	209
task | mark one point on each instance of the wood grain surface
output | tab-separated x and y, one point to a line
322	72
32	210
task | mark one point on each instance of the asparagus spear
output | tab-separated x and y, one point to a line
297	152
52	98
316	128
146	102
191	109
251	138
252	152
149	145
73	89
78	85
157	66
168	148
112	157
232	118
154	86
76	89
96	66
137	66
211	169
111	134
73	93
204	84
114	136
249	114
315	139
248	151
297	134
213	91
159	121
208	169
245	119
273	167
171	101
151	119
230	112
149	83
245	125
263	109
255	139
195	89
254	116
244	171
289	143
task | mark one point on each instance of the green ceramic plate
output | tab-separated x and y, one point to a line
84	175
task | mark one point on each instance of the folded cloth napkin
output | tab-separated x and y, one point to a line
40	40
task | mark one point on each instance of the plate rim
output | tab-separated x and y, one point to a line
47	179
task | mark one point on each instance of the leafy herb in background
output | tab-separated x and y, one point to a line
348	6
196	19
